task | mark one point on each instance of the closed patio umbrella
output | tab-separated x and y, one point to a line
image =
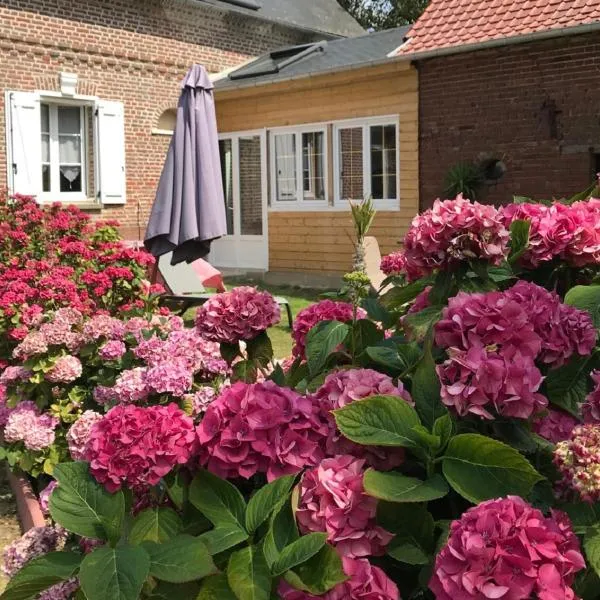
189	209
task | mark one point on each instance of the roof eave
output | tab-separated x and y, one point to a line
495	43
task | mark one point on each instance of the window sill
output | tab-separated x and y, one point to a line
165	132
379	205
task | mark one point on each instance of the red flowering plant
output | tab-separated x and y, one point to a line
439	438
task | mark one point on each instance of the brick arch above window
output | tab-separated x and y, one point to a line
165	123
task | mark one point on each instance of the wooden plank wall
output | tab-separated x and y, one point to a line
319	241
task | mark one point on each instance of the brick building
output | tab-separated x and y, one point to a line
513	81
91	86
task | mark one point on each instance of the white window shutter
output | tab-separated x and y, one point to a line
24	143
110	149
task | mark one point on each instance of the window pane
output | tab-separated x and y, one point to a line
69	120
45	147
45	109
285	167
313	165
227	174
70	179
250	186
69	149
351	163
45	178
383	162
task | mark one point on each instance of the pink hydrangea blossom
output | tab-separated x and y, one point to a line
241	314
65	370
34	543
332	500
103	327
201	399
578	461
79	433
131	386
60	591
112	350
590	409
325	310
26	424
12	374
584	243
421	301
453	231
33	343
170	377
104	395
261	428
397	264
138	446
44	497
343	387
365	582
505	548
555	426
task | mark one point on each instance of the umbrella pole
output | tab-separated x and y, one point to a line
154	273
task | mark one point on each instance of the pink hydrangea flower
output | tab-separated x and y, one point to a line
138	446
103	327
332	500
171	377
555	426
578	461
131	386
343	387
112	350
33	343
421	301
453	231
79	433
241	314
365	582
34	543
26	424
505	548
261	428
44	497
65	370
201	399
590	409
12	374
60	591
325	310
584	243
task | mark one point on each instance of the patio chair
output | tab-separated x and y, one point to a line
187	289
372	262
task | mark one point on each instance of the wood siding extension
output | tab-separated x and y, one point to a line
320	241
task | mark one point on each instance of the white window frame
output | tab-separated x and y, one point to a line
300	203
365	124
59	196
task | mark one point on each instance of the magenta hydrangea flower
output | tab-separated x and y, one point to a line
138	446
112	350
332	500
35	542
44	497
555	426
26	424
590	409
421	301
453	231
131	386
65	370
365	582
343	387
79	433
171	377
584	243
261	428
578	461
505	548
325	310
241	314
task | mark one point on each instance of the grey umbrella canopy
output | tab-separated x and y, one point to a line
189	208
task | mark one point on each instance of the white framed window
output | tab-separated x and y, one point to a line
366	161
67	149
299	167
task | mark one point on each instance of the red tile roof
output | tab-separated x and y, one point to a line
451	23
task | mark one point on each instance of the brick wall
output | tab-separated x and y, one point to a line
131	51
536	106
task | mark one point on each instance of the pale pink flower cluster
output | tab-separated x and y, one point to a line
505	548
60	591
201	399
325	310
365	582
137	447
34	543
555	426
241	314
112	350
453	231
261	428
12	374
65	370
172	377
79	433
590	409
33	343
104	327
28	425
130	386
344	387
578	461
332	500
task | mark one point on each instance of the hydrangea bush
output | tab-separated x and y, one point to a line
438	438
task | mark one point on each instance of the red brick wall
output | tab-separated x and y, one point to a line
131	51
536	106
